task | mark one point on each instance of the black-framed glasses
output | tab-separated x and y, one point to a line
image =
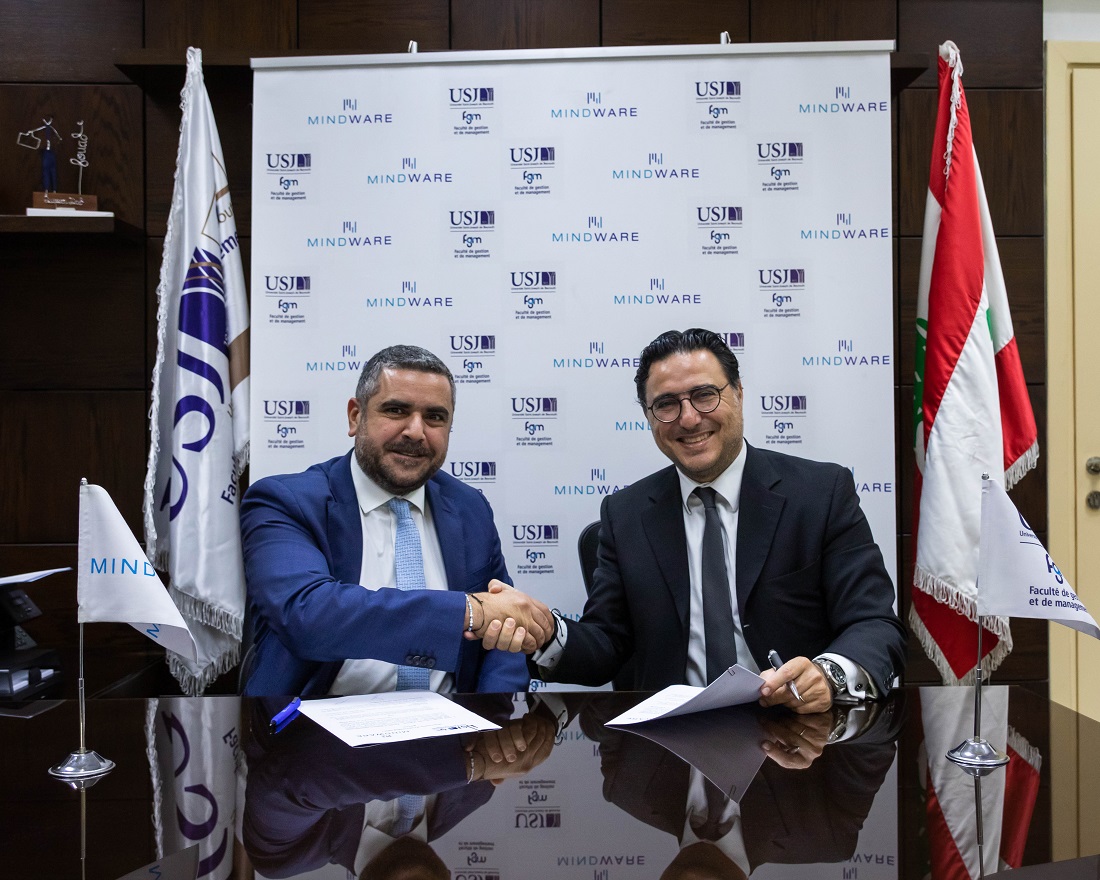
705	399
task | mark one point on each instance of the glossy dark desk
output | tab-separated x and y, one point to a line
600	805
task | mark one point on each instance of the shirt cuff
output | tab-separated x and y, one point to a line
860	685
548	656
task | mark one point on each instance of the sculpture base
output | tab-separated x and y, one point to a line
70	201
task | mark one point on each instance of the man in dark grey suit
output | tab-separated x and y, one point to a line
774	549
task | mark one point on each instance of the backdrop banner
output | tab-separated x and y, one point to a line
535	218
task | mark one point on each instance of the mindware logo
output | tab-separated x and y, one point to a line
845	229
410	174
594	109
350	113
872	486
594	233
847	356
597	358
348	362
657	296
841	101
596	484
655	169
409	298
350	236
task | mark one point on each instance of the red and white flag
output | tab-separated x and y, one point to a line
972	415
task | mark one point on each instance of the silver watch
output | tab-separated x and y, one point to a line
834	674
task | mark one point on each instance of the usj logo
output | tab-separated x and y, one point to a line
783	291
285	296
471	358
526	157
277	285
285	163
844	228
784	279
548	818
793	405
462	220
535	534
286	410
526	407
841	101
847	356
350	113
479	472
532	289
534	279
780	152
472	103
471	96
735	341
719	216
783	418
473	344
727	91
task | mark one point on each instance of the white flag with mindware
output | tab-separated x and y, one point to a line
1016	576
199	417
115	582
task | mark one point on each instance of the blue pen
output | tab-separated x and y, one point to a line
284	716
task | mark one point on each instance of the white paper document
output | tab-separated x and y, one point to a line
737	686
370	719
31	576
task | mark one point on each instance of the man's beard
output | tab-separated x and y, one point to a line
370	460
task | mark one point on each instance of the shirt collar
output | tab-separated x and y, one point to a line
372	496
727	484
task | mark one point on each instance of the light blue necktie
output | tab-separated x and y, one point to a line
409	566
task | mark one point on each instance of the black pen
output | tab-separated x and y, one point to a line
284	716
775	660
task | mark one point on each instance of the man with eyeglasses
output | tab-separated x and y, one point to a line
732	555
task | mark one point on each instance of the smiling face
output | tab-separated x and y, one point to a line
701	445
401	432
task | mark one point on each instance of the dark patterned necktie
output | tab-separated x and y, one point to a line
717	609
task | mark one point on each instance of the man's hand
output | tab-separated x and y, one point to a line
510	620
796	741
815	692
514	750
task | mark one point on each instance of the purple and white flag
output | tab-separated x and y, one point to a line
199	416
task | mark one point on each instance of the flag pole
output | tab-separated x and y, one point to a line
977	755
84	767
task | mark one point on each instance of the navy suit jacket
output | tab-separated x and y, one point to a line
303	553
809	578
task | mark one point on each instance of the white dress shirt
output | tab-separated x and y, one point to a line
358	676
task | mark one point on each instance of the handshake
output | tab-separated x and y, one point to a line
507	620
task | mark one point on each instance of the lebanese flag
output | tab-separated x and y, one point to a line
972	415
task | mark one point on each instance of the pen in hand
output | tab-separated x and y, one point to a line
776	661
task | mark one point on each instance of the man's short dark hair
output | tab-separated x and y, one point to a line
685	342
399	357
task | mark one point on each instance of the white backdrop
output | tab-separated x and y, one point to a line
535	218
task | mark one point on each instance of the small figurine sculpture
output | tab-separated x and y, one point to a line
44	145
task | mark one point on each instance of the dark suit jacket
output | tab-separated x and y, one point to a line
810	578
303	552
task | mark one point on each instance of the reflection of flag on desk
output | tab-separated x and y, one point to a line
199	417
971	409
116	583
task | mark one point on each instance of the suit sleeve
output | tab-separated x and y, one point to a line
859	593
602	640
320	618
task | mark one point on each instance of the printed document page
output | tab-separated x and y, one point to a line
737	686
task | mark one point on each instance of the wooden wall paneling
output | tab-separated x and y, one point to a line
1008	138
672	22
230	91
259	28
74	312
66	40
1001	41
49	440
524	24
1022	265
777	21
112	121
351	27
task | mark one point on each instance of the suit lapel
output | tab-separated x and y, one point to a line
758	517
663	522
448	529
345	528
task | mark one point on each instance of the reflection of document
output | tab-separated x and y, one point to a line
370	719
724	745
30	576
735	687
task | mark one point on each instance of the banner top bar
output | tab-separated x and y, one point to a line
594	52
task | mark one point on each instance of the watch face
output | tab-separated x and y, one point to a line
834	673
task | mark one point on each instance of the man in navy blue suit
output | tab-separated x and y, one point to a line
322	556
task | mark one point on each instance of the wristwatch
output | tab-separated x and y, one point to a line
834	674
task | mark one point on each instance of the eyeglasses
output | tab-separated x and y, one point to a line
705	399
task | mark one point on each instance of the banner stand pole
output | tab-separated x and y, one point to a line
83	768
976	755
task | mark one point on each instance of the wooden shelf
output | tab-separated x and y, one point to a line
906	67
67	223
